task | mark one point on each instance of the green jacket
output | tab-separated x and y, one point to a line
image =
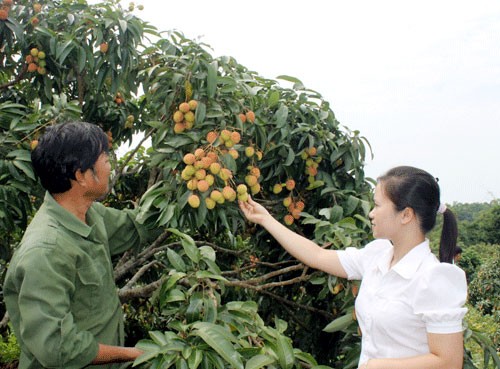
59	288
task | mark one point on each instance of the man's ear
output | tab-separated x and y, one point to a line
408	214
80	177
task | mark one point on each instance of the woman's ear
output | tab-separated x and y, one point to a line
408	214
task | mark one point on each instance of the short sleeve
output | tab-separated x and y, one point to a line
440	298
355	261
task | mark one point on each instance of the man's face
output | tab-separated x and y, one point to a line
100	173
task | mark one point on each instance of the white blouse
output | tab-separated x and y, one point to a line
396	307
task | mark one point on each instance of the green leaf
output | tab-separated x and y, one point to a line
297	84
217	338
195	358
27	169
173	296
212	79
158	337
281	116
290	158
202	274
63	51
274	98
195	307
284	350
339	324
188	244
176	260
259	361
173	279
352	204
123	25
82	59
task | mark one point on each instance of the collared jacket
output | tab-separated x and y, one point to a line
59	288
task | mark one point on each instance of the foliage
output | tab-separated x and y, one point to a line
200	329
474	256
481	335
485	287
9	349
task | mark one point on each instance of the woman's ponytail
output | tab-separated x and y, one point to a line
449	236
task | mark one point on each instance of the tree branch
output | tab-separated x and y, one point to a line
16	80
126	294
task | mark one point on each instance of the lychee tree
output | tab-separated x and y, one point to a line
211	290
219	133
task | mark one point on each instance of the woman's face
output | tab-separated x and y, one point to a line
384	217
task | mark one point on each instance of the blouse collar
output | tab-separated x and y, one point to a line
408	265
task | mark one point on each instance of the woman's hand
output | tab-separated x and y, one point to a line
253	211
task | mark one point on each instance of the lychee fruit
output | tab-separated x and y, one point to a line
242	117
250	116
189	116
184	107
255	188
235	137
215	168
193	104
290	184
249	151
192	184
179	127
210	203
277	188
189	159
241	189
200	174
234	154
194	201
32	67
103	47
212	136
199	153
229	193
203	185
251	180
288	219
217	196
178	116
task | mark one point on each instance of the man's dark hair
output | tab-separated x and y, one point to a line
65	148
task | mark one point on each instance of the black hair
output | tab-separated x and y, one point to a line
64	149
409	187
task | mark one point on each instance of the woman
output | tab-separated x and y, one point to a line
410	304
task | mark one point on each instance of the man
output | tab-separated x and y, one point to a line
59	289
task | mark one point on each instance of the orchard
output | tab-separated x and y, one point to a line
211	291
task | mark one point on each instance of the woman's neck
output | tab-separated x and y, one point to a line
406	242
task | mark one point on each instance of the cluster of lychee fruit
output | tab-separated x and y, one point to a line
209	180
312	159
184	116
36	61
249	117
293	206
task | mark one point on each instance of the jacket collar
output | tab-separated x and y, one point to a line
66	218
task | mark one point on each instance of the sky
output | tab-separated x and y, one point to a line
420	80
